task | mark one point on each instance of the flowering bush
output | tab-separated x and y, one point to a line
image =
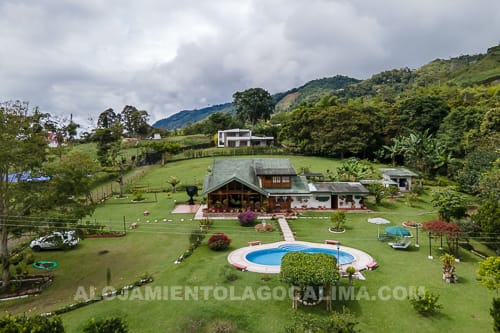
219	242
425	304
247	218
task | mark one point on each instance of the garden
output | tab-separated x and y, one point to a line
188	296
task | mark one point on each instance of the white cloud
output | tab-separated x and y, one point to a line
82	57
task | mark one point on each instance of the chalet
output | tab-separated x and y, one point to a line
241	138
273	184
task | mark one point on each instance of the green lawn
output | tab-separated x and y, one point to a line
154	247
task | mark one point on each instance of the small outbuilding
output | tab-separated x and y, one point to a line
402	177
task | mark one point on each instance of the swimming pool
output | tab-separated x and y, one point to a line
245	257
273	256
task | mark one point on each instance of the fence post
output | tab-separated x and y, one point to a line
124	228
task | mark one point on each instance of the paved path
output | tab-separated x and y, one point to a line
285	229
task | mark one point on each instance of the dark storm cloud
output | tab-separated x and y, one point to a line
82	57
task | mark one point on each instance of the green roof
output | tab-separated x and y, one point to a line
246	171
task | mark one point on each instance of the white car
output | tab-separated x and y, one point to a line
54	241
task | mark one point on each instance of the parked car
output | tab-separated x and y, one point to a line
55	241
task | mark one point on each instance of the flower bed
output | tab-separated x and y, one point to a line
411	224
110	235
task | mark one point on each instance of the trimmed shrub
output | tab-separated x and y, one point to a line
219	242
114	324
31	324
495	313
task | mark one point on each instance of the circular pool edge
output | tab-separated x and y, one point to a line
238	259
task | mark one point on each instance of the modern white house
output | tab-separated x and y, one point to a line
241	138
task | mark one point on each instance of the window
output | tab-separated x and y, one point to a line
285	179
276	179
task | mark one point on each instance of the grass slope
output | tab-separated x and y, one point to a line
153	247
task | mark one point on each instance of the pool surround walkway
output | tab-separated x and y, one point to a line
238	258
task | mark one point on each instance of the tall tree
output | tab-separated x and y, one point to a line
458	126
296	131
22	152
107	118
71	185
423	112
108	143
341	130
253	104
135	122
218	121
450	204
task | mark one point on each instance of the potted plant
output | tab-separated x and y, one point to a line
448	261
350	271
339	220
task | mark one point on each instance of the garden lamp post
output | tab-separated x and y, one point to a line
416	239
430	248
338	257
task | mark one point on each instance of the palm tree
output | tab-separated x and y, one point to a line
394	150
443	158
174	181
419	150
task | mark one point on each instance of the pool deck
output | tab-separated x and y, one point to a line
238	257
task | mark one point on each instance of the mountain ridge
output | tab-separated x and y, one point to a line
464	70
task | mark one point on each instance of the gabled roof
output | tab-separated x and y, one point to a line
338	187
247	172
398	172
274	167
225	171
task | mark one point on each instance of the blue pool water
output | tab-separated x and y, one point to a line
272	257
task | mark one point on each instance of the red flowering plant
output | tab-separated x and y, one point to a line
441	228
219	241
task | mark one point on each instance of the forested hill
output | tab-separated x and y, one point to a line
182	118
285	101
465	70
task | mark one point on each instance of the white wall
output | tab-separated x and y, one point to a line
298	202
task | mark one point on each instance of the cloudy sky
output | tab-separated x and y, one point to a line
81	57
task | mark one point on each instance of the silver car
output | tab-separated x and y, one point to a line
55	241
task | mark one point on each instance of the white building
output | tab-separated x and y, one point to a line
241	138
402	177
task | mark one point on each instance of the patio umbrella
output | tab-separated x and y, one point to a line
378	221
397	231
